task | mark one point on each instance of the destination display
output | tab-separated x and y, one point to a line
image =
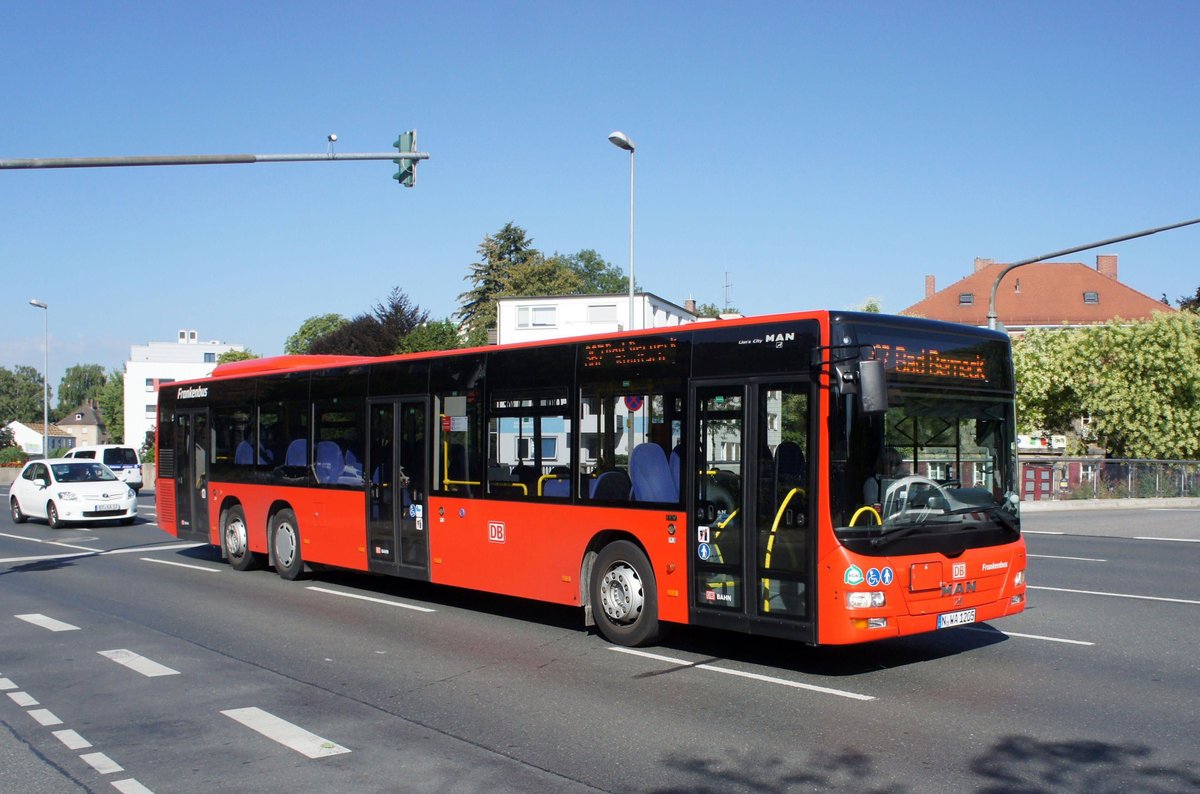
932	363
630	352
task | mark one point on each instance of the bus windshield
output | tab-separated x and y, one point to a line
936	468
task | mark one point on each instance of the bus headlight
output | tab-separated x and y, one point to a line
865	600
1019	579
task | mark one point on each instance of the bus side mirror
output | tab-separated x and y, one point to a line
872	388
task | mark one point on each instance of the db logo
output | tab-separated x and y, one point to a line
496	531
960	568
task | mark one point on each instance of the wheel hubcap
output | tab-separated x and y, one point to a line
621	593
285	545
235	538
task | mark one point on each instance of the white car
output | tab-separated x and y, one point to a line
62	491
123	461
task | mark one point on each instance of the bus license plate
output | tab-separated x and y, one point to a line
960	618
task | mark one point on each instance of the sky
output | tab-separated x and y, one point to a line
808	154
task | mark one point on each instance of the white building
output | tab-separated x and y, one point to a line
556	316
151	365
29	438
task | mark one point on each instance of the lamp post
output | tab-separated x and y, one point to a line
45	382
622	141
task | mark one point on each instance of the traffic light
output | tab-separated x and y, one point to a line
407	174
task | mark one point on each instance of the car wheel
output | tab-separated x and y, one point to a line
624	596
52	516
285	544
18	517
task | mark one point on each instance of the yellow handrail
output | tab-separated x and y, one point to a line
771	546
446	469
866	509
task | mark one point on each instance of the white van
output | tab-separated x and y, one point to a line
123	460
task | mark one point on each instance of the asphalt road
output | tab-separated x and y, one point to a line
152	667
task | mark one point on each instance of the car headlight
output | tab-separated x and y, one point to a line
869	600
67	496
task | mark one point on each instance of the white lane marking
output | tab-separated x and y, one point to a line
102	763
23	699
138	663
130	786
1057	557
754	676
45	717
1116	595
6	683
372	599
1040	532
1028	636
46	623
284	732
181	565
72	740
95	552
1169	540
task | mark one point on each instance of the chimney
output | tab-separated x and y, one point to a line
930	289
689	305
981	263
1106	265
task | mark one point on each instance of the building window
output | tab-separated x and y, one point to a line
537	316
150	409
1091	297
149	384
606	313
210	358
966	298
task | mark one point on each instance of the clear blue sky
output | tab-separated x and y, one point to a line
818	153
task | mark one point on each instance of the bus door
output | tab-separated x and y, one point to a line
192	443
752	521
398	488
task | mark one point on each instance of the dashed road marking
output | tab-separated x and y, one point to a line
1027	636
741	674
372	599
23	699
284	732
181	565
6	683
130	786
46	623
101	763
72	740
1057	557
138	663
1170	540
45	717
1116	595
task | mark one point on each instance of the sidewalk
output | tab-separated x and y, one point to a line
1048	506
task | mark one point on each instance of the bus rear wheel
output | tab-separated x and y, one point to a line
624	596
237	540
285	544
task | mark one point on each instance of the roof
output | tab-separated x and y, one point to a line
1042	294
89	415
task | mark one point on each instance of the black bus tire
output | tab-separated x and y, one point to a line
235	537
624	595
285	545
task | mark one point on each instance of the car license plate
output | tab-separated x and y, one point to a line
960	618
106	508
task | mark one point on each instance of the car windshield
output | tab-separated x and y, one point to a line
934	463
81	471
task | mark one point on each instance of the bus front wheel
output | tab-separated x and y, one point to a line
285	543
237	540
623	595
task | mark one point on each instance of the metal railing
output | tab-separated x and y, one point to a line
1062	479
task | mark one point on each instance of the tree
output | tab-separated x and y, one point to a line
1189	303
432	335
6	437
236	355
597	276
713	310
539	276
1139	383
81	382
112	404
498	254
298	344
376	334
21	395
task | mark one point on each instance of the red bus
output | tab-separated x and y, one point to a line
828	477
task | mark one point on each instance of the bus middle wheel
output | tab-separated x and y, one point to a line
624	596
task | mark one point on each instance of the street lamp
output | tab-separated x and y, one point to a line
622	141
45	382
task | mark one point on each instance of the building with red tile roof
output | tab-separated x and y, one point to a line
1041	295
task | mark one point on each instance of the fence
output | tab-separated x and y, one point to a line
1062	479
